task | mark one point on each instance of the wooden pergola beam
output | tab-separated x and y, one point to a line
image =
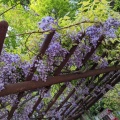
3	31
32	85
68	55
66	99
43	48
55	98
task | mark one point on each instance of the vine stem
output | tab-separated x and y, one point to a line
9	9
42	32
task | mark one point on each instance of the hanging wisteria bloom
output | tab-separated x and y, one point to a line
110	27
12	69
41	69
93	34
47	23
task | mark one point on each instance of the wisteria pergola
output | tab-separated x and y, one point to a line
98	77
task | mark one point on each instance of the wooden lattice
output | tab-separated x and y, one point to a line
70	112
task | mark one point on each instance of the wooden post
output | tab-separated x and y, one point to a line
3	31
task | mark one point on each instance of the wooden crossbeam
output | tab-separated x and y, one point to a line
32	85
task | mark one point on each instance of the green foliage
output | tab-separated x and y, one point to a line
111	100
88	11
115	4
97	108
56	8
12	2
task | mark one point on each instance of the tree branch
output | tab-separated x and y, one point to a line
9	9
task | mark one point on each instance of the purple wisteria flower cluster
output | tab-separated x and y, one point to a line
12	69
47	23
110	27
